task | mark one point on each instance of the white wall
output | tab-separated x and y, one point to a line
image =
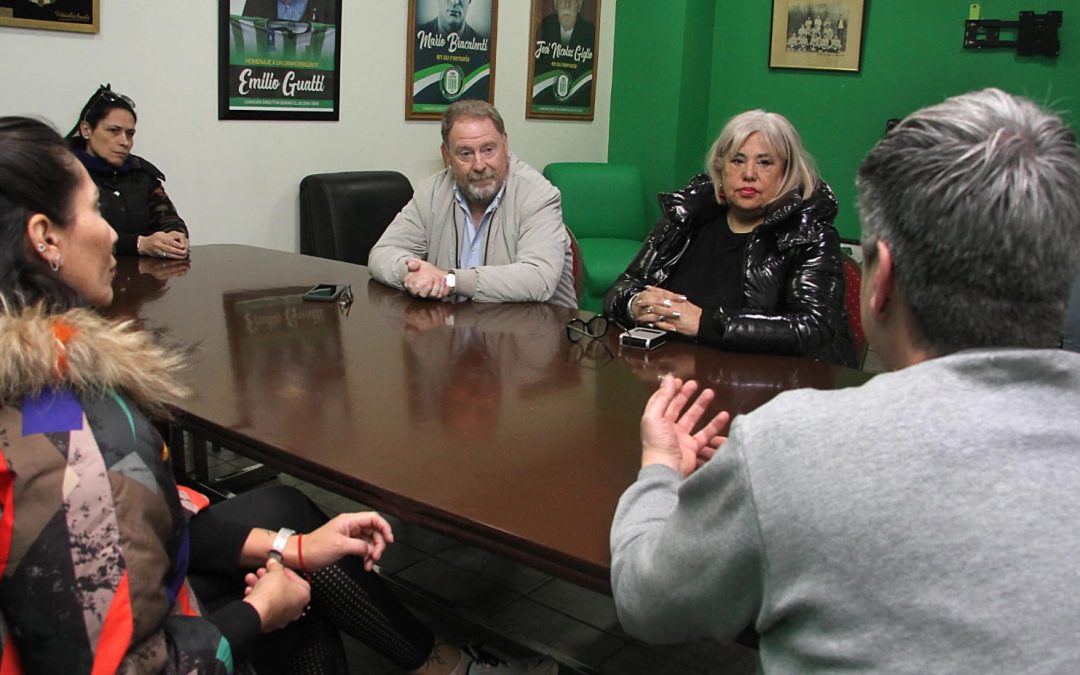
237	181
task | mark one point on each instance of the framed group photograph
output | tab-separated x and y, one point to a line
277	61
79	16
823	35
562	59
450	54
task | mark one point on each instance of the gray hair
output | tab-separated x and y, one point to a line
779	136
978	199
470	108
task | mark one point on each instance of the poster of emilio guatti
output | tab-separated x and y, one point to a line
279	60
451	54
562	62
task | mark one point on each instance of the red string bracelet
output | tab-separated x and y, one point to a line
300	552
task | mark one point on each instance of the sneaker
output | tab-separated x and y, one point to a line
482	664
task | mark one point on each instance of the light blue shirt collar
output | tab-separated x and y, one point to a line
474	244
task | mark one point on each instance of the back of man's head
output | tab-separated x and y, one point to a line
978	199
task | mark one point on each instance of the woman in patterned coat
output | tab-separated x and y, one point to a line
105	566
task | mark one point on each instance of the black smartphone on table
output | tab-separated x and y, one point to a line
325	292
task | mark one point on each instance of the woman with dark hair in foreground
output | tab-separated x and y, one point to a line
105	566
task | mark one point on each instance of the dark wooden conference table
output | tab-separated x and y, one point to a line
480	421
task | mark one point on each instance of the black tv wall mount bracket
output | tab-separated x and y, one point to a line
1036	34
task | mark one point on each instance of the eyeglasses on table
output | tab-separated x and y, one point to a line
587	348
578	329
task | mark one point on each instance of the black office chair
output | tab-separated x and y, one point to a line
1071	341
342	215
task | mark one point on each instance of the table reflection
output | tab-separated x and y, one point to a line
463	358
287	358
462	416
140	280
742	381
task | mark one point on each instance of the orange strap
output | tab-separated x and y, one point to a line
63	332
192	500
115	637
10	661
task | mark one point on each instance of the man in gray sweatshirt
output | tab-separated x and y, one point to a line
927	520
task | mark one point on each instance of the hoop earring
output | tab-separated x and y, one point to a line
54	265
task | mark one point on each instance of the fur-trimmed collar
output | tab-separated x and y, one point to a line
80	350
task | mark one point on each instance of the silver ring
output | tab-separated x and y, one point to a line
161	253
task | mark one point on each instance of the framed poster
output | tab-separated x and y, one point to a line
278	61
79	16
562	59
824	35
451	54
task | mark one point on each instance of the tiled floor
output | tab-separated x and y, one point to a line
468	595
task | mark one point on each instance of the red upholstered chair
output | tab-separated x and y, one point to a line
852	284
579	266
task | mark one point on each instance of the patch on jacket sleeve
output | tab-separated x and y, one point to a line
51	411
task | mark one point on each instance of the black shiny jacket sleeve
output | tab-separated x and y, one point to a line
793	278
683	212
808	319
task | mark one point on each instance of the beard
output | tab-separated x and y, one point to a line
481	195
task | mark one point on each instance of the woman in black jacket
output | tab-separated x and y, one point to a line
745	258
132	197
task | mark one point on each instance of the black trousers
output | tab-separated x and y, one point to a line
344	595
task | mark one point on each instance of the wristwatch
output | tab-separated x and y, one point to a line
277	549
451	280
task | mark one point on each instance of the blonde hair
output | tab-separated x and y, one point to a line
778	135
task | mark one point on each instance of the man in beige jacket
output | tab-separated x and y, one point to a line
488	227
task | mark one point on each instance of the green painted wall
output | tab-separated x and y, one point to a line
912	57
662	75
